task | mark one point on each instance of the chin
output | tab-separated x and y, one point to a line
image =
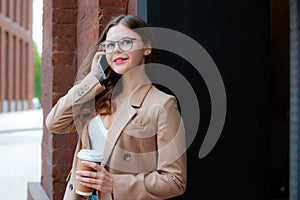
119	71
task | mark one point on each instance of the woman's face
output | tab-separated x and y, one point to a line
123	61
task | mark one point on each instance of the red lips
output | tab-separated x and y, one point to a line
119	60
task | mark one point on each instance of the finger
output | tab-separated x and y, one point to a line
87	180
93	165
98	55
102	171
98	185
87	174
87	184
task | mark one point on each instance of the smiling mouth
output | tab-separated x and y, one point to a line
119	60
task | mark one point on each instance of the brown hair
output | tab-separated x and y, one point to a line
138	25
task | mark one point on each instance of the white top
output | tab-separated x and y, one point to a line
97	134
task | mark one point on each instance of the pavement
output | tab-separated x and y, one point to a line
20	152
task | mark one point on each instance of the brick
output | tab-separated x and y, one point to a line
132	7
64	155
64	16
63	30
61	170
45	148
64	4
46	176
63	59
87	36
110	12
86	25
66	141
62	45
115	3
62	69
58	190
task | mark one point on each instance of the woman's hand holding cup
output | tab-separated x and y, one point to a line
99	179
88	172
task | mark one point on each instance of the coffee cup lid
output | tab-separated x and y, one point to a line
90	155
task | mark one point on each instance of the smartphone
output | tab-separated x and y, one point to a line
100	63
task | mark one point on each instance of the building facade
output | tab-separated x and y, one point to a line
16	55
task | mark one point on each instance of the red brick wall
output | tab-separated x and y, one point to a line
132	7
71	27
87	27
59	71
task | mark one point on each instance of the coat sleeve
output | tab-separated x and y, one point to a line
169	179
61	117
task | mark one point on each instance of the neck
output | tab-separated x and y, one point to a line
131	79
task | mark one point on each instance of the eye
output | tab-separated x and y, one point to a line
125	41
110	45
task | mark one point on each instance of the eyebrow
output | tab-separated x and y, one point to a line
119	39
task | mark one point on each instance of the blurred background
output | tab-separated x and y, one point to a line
21	116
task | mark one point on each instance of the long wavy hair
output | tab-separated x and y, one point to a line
102	102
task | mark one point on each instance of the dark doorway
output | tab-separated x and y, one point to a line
279	68
248	41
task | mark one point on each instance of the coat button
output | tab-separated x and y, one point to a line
71	187
126	156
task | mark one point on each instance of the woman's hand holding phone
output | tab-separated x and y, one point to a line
96	68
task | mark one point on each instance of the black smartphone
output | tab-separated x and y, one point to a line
102	65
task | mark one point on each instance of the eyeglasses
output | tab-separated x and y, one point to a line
124	44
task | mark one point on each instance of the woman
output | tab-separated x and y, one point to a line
144	152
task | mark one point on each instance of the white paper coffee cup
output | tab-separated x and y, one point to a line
86	155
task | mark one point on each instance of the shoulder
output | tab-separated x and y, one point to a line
162	96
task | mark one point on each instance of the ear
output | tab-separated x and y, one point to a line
147	50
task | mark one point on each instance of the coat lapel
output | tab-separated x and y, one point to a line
123	116
120	120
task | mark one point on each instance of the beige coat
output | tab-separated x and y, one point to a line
145	147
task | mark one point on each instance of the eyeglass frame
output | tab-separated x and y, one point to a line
118	43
